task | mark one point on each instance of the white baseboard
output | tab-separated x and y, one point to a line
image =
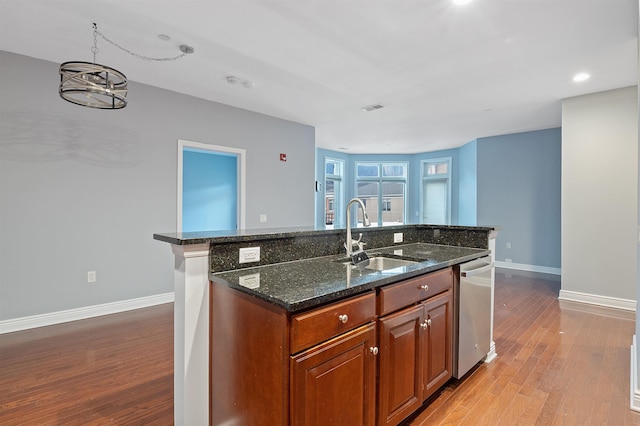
529	268
492	353
25	323
595	299
633	380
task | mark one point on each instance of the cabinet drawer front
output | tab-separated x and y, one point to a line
311	328
396	296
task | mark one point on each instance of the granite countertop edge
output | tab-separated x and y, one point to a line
220	237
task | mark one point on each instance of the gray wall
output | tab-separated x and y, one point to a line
84	190
519	189
600	193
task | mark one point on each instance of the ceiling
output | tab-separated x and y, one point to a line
446	74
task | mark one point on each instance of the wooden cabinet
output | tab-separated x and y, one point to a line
415	344
334	383
400	365
268	367
372	358
437	342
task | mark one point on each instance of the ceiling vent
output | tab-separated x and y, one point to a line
373	107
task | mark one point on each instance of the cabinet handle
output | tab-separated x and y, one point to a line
424	287
343	318
429	322
374	350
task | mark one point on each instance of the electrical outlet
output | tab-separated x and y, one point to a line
436	232
509	246
397	237
91	276
263	218
249	254
250	281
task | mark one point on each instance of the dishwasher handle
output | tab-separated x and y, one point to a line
478	271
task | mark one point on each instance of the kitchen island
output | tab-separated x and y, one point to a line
201	256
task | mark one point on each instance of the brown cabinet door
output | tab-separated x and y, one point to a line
334	383
400	367
437	342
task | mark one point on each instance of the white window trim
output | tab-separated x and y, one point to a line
338	218
380	179
423	178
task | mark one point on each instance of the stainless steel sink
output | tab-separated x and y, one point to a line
380	263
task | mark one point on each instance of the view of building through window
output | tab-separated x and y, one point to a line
333	190
382	187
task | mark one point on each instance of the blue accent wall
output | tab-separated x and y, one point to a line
209	192
519	183
468	188
512	181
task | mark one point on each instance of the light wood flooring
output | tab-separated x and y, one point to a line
555	366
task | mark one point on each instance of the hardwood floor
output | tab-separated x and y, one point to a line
555	366
115	369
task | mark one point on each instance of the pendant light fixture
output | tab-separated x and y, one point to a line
99	86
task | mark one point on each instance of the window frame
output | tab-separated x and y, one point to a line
380	179
339	200
424	177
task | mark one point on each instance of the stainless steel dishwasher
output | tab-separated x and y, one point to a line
472	331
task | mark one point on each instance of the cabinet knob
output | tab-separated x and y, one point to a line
426	324
343	318
424	287
374	350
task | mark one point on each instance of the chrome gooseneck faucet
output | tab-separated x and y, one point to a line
349	244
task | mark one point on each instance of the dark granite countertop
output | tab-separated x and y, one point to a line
221	237
303	284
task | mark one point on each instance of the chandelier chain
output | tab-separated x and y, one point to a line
137	55
95	49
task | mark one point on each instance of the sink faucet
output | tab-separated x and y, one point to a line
349	244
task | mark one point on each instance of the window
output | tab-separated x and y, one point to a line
436	191
382	187
333	190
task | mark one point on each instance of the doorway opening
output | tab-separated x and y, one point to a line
211	187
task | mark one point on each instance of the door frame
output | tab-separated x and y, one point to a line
240	155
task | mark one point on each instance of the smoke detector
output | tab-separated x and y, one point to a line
372	107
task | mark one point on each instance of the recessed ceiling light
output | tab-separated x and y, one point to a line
461	2
580	77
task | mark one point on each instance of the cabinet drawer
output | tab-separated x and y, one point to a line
313	327
396	296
